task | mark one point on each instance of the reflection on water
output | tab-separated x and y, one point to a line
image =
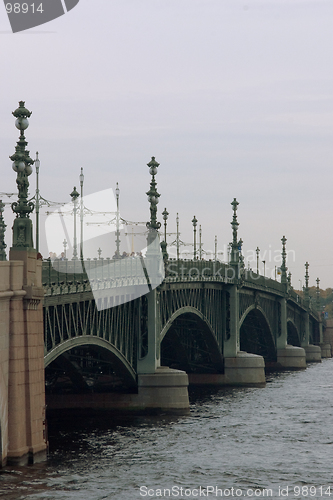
271	437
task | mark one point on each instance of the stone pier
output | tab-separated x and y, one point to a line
22	384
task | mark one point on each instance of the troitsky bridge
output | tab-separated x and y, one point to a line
130	334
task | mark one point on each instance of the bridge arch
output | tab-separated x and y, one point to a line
293	337
104	350
188	342
256	334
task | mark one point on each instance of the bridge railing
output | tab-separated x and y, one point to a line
64	276
70	276
198	270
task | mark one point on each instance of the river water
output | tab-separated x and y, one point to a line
273	442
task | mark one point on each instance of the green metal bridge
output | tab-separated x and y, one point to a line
203	313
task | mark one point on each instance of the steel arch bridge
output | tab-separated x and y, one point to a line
194	321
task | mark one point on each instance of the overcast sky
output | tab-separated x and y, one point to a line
233	98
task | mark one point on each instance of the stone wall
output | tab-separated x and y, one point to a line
22	385
5	295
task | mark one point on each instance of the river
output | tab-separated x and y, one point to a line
273	442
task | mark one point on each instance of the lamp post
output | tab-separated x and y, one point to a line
284	268
234	261
22	165
65	246
177	240
2	233
117	224
257	252
306	289
215	256
81	215
200	243
165	218
194	222
74	195
37	165
153	198
318	295
264	262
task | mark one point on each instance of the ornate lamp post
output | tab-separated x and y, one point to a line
200	243
117	224
65	246
264	262
74	195
153	198
22	165
234	245
306	289
37	165
215	253
2	233
81	215
165	218
194	222
284	268
177	240
257	252
318	295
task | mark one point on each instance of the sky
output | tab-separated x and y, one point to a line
233	98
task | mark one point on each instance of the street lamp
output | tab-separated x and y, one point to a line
200	243
65	246
37	165
22	165
229	252
257	252
74	195
165	218
194	222
117	224
215	248
2	233
264	262
81	215
177	240
153	198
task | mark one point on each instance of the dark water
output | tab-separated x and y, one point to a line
247	439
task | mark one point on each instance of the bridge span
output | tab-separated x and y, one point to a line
221	324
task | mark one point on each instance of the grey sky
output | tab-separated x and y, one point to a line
234	98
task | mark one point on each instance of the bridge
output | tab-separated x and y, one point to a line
133	333
218	328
